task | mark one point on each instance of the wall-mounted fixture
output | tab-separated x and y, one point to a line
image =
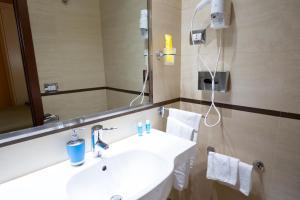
144	24
221	81
50	118
198	37
51	87
168	52
145	36
219	19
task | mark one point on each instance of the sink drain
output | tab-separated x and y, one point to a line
116	197
104	168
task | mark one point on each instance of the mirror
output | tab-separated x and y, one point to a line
15	112
91	56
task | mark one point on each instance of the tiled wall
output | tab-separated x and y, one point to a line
249	137
69	106
105	37
122	43
117	99
68	50
262	53
262	49
166	79
55	26
123	49
68	43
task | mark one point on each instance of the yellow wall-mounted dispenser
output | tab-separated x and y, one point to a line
169	52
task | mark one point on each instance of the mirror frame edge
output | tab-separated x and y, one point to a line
29	61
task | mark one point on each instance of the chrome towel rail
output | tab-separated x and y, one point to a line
162	111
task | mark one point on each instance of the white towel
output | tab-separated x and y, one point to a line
181	176
144	19
181	172
179	129
189	118
245	180
222	168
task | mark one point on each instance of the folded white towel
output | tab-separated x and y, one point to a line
245	180
181	172
189	118
222	168
179	129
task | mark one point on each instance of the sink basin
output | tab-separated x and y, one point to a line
134	168
128	176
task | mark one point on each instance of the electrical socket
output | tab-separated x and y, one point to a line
198	36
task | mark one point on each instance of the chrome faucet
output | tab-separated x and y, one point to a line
96	141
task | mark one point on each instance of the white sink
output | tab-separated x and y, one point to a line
136	168
131	175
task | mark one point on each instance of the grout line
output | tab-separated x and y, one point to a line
92	89
245	109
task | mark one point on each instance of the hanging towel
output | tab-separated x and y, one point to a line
189	118
245	180
179	129
181	176
222	168
181	172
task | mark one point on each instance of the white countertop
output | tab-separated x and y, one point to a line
50	183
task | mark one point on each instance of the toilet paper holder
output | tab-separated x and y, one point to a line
257	164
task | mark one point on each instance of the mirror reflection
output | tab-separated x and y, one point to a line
15	110
91	56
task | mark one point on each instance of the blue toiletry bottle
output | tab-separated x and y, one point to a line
76	149
140	129
148	126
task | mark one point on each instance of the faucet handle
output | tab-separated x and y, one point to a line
100	127
109	129
97	128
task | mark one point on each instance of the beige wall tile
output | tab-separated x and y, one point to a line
73	105
261	52
68	44
249	137
120	99
122	43
166	79
286	175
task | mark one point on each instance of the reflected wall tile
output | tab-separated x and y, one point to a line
166	79
73	105
56	42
